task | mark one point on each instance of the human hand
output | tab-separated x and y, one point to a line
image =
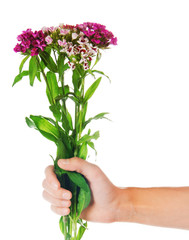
104	205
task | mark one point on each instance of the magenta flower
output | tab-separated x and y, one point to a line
98	34
31	42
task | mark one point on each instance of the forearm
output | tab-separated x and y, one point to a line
165	207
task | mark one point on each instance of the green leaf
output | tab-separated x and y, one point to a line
30	123
43	125
83	151
61	66
38	76
65	121
68	236
48	61
55	109
91	144
98	57
52	89
87	138
20	76
81	231
76	80
61	224
90	91
32	69
100	72
79	180
84	199
61	150
98	116
23	62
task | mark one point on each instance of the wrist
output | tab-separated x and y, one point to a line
125	210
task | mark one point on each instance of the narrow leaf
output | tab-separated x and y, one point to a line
90	91
61	224
60	64
100	72
22	63
45	126
53	84
30	123
83	151
55	109
88	138
20	76
81	231
48	61
32	69
98	116
79	180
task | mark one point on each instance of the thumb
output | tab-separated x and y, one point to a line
79	165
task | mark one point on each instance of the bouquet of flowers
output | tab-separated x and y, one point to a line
51	52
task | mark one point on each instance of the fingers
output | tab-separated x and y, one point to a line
53	193
51	177
60	193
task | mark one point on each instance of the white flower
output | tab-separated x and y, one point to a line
74	35
45	29
64	31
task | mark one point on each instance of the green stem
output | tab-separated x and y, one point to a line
45	77
65	226
63	90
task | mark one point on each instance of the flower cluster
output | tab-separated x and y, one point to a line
79	42
31	42
98	34
73	42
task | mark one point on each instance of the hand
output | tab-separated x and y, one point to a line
104	206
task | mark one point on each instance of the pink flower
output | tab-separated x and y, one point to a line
62	43
17	48
114	41
34	51
98	34
49	40
52	29
31	42
64	31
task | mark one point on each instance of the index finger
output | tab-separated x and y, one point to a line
51	177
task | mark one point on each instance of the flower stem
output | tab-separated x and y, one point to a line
45	77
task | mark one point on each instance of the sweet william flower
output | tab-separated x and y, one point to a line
17	48
62	43
64	31
34	52
74	35
49	40
31	42
79	44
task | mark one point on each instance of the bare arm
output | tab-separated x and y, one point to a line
165	207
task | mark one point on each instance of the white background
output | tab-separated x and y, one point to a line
145	145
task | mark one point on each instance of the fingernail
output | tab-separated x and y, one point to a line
64	161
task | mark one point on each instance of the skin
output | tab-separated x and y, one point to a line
165	207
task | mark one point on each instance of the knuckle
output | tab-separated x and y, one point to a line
48	168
